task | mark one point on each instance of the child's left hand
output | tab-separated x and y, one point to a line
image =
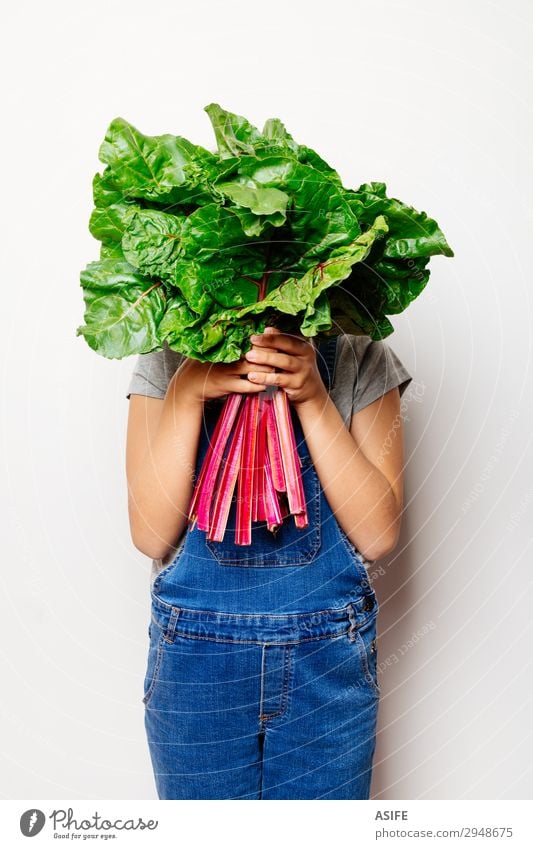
296	356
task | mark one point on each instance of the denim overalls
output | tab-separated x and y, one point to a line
261	680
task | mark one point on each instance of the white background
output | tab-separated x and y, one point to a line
433	99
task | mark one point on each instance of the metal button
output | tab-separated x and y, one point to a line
368	603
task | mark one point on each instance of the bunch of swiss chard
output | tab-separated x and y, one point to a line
201	249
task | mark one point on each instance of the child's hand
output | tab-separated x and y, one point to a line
296	356
200	382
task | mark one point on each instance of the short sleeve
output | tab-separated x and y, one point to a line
153	372
379	369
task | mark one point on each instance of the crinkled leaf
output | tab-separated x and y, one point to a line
111	251
349	314
107	218
152	241
319	215
258	200
386	288
214	339
107	224
298	293
256	225
234	134
123	309
105	191
307	156
411	233
155	167
275	135
317	316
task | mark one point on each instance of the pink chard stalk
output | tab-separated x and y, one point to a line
254	448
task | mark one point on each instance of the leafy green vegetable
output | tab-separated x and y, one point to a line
201	249
123	311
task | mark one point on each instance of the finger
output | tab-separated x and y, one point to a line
237	367
276	378
272	358
239	385
244	366
290	343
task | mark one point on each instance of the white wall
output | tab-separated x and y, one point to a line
433	99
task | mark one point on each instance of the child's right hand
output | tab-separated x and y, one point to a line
202	381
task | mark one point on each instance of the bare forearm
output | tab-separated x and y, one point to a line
159	494
359	495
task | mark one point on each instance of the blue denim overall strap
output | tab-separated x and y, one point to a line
292	570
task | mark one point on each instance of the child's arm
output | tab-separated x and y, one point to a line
161	448
362	480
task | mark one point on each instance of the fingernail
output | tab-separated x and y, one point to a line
252	375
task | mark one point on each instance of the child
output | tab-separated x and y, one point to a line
261	681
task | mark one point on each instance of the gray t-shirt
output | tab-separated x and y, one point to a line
364	370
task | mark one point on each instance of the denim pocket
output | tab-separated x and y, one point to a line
288	546
155	656
170	566
366	644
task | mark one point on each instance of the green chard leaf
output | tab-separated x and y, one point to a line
234	134
201	249
156	167
123	309
299	293
151	241
411	233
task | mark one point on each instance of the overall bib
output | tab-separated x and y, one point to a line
261	680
